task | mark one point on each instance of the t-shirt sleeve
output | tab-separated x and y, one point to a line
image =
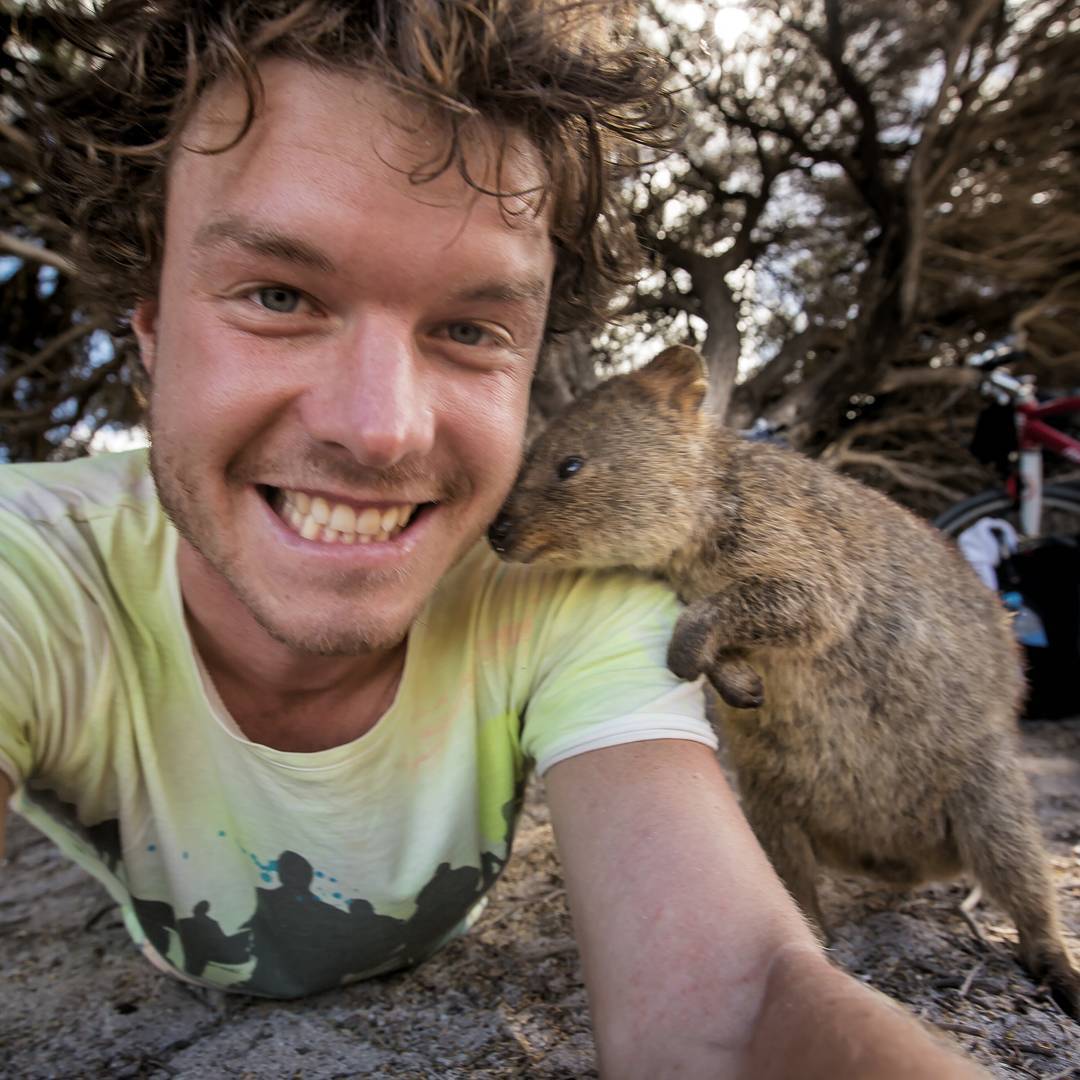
16	701
48	668
21	674
602	677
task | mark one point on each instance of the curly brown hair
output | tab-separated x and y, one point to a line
566	74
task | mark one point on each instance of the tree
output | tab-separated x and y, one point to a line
61	375
867	193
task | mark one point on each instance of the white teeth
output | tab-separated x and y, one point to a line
369	521
317	518
320	510
343	519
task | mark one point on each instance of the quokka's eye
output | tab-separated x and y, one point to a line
569	466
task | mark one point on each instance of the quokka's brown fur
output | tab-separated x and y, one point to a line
885	741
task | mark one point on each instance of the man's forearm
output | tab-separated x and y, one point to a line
834	1026
697	962
814	1023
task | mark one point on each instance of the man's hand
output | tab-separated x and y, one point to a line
696	960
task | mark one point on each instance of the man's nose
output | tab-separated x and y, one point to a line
376	400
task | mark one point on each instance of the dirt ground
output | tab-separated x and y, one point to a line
505	1001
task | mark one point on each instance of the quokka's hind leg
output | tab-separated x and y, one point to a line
792	856
998	838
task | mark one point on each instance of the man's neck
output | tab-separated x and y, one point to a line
276	695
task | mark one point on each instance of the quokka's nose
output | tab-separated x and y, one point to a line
499	533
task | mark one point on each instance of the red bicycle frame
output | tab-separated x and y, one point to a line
1034	436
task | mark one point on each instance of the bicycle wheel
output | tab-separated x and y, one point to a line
1060	514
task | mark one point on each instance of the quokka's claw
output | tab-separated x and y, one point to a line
737	683
1064	985
683	662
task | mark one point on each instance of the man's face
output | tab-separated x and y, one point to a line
340	356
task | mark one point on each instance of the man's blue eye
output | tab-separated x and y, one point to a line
465	333
277	298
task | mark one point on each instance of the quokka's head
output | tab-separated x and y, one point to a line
610	481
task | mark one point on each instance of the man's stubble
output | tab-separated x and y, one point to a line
195	523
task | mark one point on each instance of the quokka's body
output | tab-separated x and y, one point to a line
878	678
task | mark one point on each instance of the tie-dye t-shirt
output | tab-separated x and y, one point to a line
284	873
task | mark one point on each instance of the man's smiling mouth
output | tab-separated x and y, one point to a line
314	517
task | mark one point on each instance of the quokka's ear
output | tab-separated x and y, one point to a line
679	376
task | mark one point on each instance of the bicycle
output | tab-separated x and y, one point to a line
1018	424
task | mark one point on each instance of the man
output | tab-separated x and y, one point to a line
288	723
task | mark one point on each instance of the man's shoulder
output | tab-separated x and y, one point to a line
80	490
70	558
484	583
83	532
530	616
577	659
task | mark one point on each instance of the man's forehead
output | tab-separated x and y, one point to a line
307	113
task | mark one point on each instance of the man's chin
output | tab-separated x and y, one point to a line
326	637
333	620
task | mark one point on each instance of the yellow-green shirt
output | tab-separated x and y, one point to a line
284	873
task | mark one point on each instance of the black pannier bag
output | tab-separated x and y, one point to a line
994	440
1047	576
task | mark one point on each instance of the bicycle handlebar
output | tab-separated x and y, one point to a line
1014	356
1005	380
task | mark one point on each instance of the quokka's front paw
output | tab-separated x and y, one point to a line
737	683
684	655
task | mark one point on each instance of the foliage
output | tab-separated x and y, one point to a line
61	375
868	193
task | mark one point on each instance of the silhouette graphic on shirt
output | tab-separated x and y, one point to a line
300	943
103	837
157	919
205	942
375	941
296	938
443	902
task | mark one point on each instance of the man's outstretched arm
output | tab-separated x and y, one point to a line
696	960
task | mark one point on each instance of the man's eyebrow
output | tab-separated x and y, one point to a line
262	240
529	291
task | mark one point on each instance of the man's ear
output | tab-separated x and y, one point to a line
144	323
679	376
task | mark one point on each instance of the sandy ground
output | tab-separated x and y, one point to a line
505	1001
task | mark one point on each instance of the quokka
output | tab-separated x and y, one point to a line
869	682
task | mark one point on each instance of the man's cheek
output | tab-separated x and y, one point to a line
508	449
492	426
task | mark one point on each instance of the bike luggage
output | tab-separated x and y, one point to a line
1047	577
